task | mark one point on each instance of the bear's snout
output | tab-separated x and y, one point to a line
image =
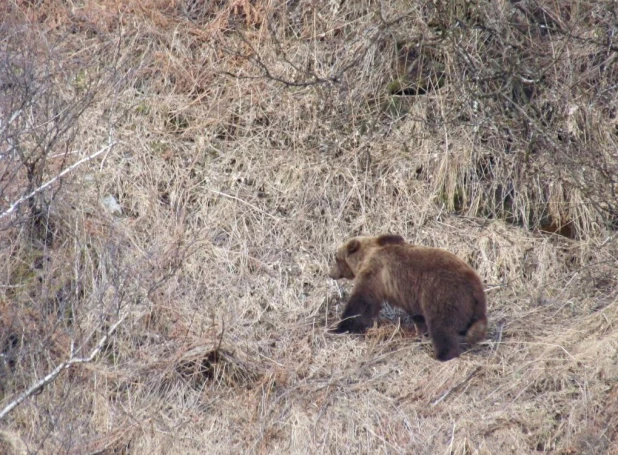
335	273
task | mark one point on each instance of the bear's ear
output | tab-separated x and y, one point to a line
390	239
353	246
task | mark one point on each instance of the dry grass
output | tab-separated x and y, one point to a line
255	136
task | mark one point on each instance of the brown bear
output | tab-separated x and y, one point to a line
443	295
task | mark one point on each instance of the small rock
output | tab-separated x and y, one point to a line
112	205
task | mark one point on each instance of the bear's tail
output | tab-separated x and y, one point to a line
477	330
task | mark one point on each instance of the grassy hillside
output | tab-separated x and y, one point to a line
175	177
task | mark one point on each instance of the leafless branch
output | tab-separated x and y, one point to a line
63	366
72	167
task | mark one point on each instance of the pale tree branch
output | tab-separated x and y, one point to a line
63	366
36	191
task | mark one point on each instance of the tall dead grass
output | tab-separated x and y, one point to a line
252	137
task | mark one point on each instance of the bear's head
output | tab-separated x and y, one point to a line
351	254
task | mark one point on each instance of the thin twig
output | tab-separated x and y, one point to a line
63	366
248	204
457	387
73	166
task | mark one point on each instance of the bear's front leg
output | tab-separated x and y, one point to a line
359	312
419	325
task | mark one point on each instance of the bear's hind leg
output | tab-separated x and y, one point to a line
445	343
477	331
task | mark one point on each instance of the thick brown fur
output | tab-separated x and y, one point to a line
443	295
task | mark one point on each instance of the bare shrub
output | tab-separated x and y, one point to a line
500	78
530	89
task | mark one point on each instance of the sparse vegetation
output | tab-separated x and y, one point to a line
234	144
